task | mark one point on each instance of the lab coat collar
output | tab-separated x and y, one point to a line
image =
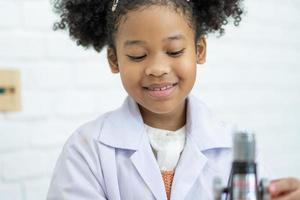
125	127
207	131
125	130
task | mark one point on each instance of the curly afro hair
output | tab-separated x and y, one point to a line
92	23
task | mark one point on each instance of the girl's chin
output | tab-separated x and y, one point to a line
160	108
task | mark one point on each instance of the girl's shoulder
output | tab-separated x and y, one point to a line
90	131
108	126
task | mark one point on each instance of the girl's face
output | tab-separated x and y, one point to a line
156	57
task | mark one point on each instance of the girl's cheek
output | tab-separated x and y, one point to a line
187	66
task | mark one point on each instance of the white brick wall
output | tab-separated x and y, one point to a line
11	10
252	77
10	191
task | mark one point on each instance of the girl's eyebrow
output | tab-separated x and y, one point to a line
174	37
140	42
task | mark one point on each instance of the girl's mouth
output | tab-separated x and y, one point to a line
161	91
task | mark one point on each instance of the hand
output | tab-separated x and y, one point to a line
285	189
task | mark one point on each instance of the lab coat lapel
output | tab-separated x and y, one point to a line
203	132
146	164
128	133
188	169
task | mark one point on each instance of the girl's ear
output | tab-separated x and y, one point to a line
112	60
201	50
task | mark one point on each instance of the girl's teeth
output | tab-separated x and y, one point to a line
159	89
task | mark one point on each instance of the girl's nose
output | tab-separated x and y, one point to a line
158	68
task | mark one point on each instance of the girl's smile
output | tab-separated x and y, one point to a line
156	55
160	91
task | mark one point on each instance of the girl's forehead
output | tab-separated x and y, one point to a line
154	22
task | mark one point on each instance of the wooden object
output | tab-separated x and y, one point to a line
10	90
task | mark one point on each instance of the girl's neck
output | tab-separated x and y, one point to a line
169	121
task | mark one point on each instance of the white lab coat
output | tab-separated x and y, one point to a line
111	158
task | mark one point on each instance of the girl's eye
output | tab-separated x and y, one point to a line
140	58
136	58
176	53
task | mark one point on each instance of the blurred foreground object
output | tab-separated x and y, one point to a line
243	183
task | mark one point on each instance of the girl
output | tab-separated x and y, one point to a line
162	143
